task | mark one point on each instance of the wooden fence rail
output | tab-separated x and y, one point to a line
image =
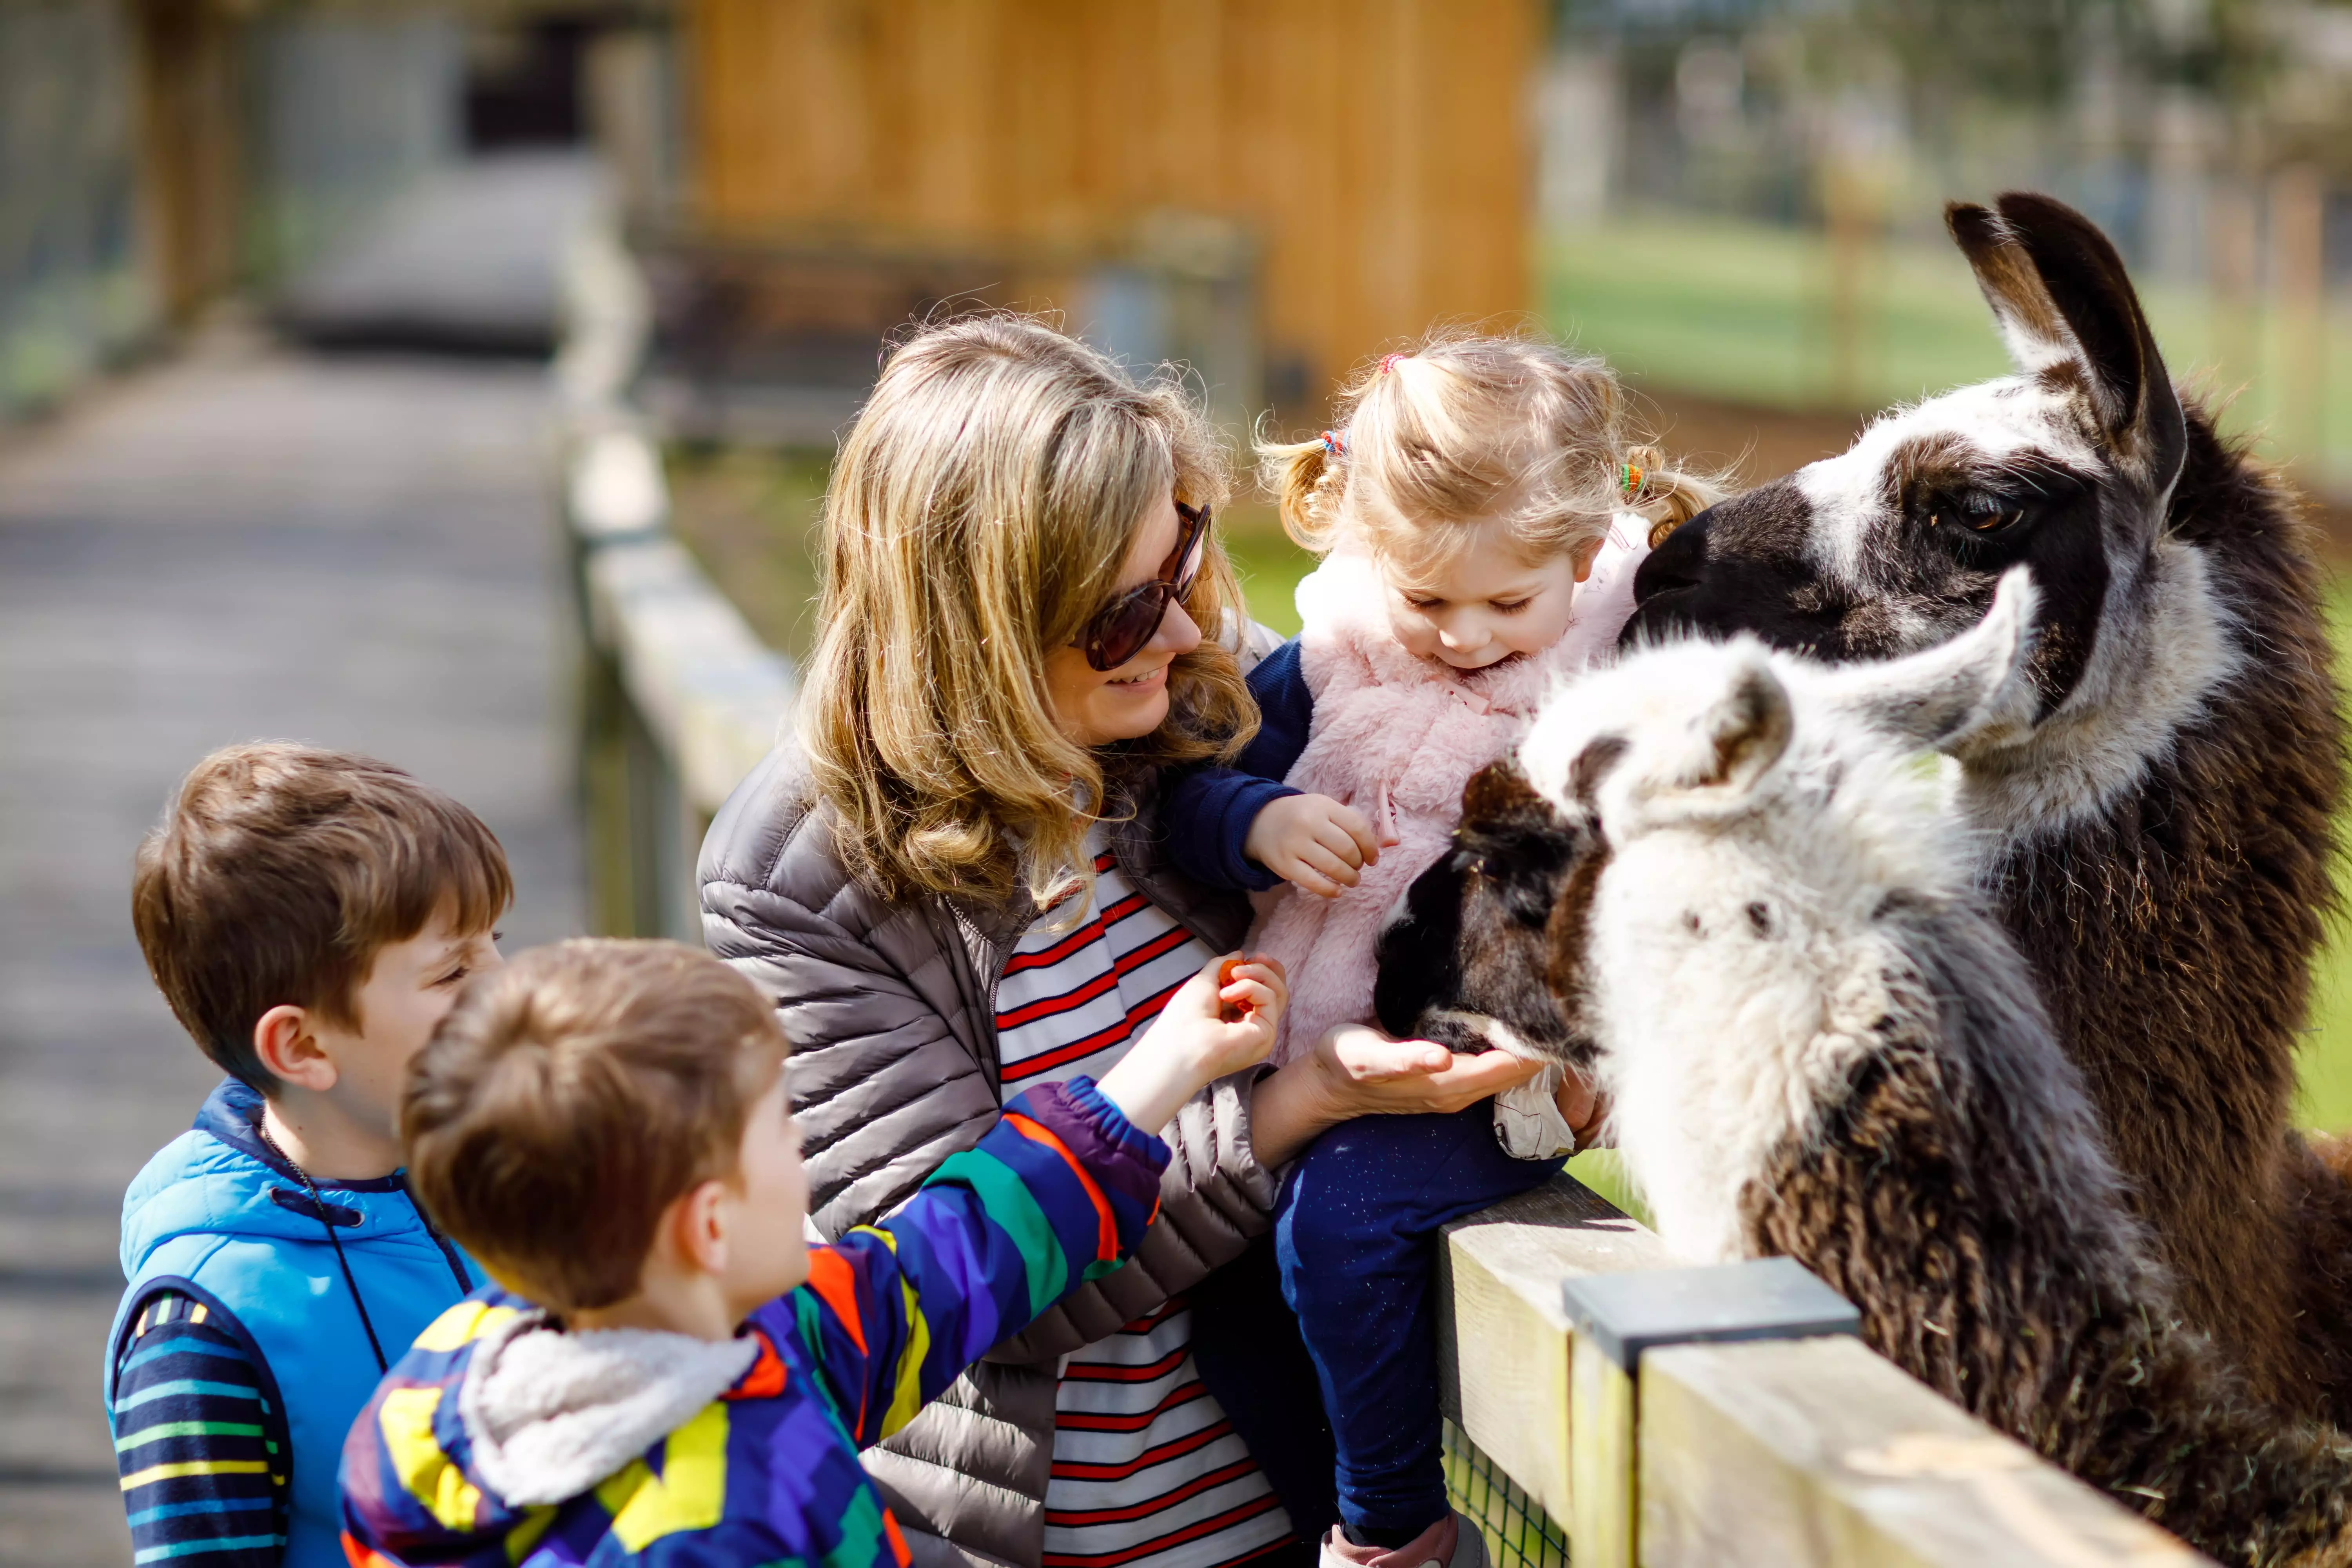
679	698
1668	1416
1687	1417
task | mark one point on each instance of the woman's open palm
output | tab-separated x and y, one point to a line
1373	1074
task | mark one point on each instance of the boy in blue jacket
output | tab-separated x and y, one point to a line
688	1382
309	917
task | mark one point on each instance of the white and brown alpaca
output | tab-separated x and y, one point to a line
1718	879
2158	840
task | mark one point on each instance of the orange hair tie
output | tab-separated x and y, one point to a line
1629	480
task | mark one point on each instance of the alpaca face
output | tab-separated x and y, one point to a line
1465	957
1683	884
2066	468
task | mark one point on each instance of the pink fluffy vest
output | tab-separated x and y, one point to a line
1397	737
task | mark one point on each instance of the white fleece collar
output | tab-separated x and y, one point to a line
551	1413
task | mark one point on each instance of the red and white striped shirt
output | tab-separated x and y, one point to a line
1146	1473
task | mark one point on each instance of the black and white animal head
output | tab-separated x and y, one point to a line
1685	882
2066	467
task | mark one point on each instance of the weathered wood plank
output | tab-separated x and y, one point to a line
1819	1453
1602	1524
1504	1336
710	693
1617	1318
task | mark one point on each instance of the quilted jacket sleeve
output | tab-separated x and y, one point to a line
885	1075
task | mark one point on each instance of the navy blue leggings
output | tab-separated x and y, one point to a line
1355	1234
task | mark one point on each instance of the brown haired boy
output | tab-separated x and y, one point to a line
604	1124
309	916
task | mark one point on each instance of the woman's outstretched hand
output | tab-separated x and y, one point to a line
1219	1021
1370	1074
1355	1070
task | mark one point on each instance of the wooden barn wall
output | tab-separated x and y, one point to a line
1379	151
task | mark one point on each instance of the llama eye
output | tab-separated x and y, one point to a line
1985	515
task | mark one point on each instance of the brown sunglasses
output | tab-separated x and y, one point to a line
1118	630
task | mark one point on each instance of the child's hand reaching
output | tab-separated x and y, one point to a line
1312	841
1219	1022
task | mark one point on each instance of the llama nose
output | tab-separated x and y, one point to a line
1678	562
1744	565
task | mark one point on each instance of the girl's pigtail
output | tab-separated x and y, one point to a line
1665	496
1304	476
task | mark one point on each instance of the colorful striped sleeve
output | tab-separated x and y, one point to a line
199	1444
1057	1193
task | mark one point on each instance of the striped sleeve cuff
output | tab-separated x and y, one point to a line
1121	1156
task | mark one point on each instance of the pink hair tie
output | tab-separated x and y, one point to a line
1388	362
1335	443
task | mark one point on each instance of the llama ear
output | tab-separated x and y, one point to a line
1977	685
1740	734
2069	314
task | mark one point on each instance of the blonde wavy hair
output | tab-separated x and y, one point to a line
980	512
1463	427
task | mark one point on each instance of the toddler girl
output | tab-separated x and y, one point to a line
1483	518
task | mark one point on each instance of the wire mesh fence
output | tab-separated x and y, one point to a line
1520	1534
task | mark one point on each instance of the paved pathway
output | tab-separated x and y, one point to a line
236	544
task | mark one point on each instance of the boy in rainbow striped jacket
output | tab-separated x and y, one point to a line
668	1373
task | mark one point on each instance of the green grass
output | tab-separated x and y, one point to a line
1268	565
2324	1099
1739	311
750	517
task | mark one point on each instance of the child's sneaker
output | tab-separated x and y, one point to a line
1452	1542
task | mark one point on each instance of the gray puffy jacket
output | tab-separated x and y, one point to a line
890	1008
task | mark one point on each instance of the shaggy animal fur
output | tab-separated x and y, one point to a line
2159	840
1716	879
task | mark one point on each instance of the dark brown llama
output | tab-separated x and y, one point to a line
2160	838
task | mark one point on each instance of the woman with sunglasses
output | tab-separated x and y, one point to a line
948	878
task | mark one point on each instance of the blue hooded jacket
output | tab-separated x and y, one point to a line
217	1215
